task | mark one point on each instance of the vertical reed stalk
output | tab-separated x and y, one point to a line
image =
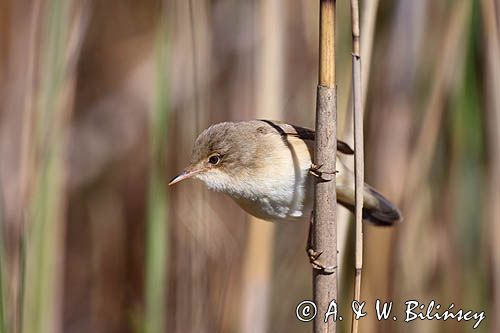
492	202
325	211
369	17
26	164
269	100
358	150
367	29
42	304
157	226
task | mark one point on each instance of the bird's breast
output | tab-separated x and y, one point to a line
280	188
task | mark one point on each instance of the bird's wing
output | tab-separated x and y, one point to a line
304	134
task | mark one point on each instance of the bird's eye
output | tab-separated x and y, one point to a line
214	159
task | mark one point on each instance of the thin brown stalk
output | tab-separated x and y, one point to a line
325	224
269	99
198	317
369	16
358	149
367	30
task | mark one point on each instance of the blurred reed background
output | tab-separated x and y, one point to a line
101	102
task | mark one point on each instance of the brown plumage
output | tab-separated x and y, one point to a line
264	166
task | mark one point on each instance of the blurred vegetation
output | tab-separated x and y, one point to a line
101	102
157	240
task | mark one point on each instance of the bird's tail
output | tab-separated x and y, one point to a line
377	209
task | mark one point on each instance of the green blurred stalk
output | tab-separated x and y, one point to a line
157	227
467	132
44	226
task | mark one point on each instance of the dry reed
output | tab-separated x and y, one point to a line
359	154
325	225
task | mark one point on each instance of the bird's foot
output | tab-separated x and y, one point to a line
316	171
314	255
317	264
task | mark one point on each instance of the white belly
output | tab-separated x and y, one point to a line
283	203
283	191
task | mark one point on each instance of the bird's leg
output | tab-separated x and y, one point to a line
313	254
324	176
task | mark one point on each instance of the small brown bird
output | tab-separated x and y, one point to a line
265	166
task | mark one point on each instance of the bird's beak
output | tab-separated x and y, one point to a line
185	174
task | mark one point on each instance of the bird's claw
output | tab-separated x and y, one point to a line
314	255
316	263
315	170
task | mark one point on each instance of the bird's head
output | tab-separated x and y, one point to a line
221	155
